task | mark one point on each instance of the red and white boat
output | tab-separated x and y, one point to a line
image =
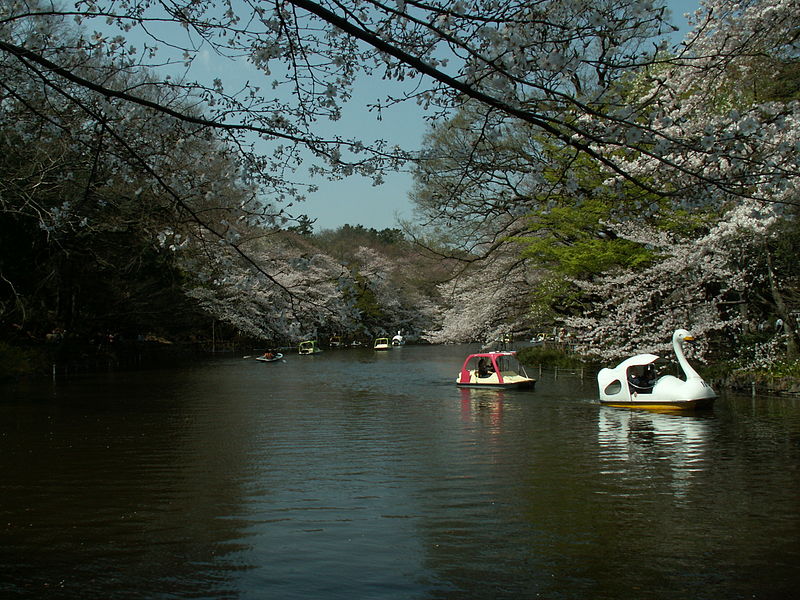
499	369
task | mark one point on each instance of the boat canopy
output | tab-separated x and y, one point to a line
308	347
499	361
640	360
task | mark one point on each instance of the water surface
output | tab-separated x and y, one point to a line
362	474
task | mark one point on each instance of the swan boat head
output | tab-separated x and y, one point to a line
624	385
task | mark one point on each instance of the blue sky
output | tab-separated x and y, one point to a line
355	201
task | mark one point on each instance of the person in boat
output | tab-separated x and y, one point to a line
648	378
642	382
635	381
484	368
269	355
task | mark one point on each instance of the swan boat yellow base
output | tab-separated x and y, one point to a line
626	386
674	406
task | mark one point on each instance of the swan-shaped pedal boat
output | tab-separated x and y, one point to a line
499	370
632	384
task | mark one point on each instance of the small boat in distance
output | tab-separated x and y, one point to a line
309	347
497	369
270	357
633	383
381	344
398	340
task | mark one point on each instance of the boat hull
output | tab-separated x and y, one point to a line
516	385
662	405
276	358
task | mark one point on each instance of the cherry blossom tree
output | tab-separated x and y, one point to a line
487	303
82	171
556	65
316	295
702	284
303	295
703	144
716	113
382	290
592	82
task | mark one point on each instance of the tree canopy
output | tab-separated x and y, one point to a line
707	159
558	123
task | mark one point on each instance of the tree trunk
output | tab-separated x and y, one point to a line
789	324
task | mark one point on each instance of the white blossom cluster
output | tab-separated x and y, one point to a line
309	291
484	304
709	118
693	284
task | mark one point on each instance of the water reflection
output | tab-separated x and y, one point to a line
482	405
123	482
646	441
354	474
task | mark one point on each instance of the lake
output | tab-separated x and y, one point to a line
370	475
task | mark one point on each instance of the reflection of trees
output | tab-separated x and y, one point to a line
129	483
